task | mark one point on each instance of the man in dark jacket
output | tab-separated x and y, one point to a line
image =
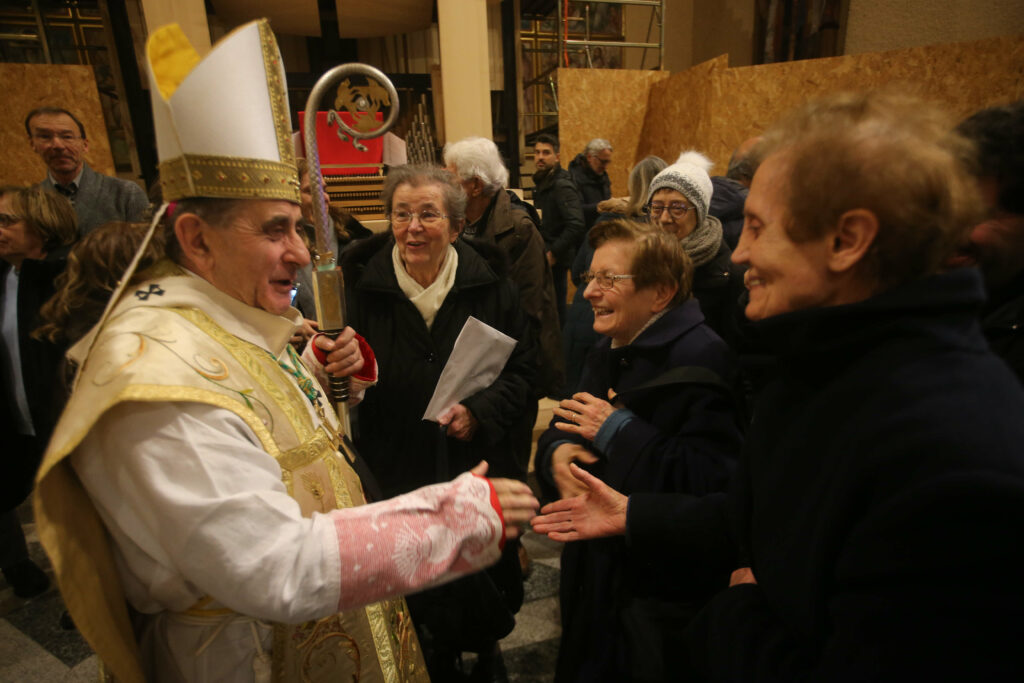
492	217
996	245
881	494
556	197
589	172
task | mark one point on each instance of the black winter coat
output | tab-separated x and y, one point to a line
879	502
593	188
727	200
718	285
511	228
397	444
41	362
685	437
1002	322
558	201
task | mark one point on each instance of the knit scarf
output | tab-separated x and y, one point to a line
427	300
702	244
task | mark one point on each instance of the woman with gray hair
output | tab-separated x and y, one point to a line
410	290
678	201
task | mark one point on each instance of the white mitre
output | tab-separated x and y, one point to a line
222	122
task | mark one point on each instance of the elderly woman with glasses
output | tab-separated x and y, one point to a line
678	200
410	291
654	412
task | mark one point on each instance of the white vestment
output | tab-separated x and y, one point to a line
198	514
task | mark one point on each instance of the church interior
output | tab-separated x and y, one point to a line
652	77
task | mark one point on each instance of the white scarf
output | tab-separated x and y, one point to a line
427	300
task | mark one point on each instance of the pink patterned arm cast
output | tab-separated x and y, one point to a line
420	539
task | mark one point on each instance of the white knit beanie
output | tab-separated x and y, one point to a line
689	175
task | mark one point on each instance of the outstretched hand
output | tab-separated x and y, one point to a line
597	513
518	504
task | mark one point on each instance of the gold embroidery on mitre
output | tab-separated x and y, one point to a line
278	94
228	178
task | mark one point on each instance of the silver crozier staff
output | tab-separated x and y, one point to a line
328	287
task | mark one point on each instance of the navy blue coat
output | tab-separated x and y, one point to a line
683	438
1002	321
880	502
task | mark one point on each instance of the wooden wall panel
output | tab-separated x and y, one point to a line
27	86
714	108
679	112
604	103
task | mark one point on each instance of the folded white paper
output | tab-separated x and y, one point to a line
478	358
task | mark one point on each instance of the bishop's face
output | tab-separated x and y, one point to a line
256	255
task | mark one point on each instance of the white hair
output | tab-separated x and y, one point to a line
596	146
477	157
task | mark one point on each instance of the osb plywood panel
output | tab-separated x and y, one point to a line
27	86
604	103
964	77
714	108
679	111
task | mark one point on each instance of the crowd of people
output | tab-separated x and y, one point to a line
786	443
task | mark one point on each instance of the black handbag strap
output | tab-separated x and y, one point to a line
691	374
683	374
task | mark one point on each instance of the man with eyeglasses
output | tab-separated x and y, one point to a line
589	170
58	137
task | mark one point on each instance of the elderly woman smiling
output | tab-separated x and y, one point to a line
410	291
677	201
653	413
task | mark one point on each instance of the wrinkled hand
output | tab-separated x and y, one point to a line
343	355
460	422
302	335
585	414
598	513
518	504
742	575
564	455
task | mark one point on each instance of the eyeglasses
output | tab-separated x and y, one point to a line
7	219
428	217
675	209
63	137
605	280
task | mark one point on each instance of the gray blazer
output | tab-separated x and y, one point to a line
102	198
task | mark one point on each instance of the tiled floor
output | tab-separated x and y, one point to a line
34	648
